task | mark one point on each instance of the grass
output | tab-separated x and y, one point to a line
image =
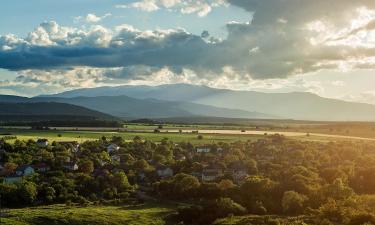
81	136
262	220
151	214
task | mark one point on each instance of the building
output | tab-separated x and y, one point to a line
203	150
42	142
70	166
180	157
42	167
239	172
19	174
72	145
164	171
112	148
116	158
212	173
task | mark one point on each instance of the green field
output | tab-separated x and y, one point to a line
81	136
149	214
147	134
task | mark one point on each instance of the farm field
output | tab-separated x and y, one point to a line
151	214
81	136
179	133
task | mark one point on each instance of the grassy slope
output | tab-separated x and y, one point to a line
92	215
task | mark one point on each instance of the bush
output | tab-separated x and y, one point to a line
293	202
363	218
209	211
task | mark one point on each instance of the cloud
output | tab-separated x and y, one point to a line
92	18
284	38
200	7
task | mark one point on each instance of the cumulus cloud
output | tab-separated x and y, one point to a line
199	7
284	38
92	18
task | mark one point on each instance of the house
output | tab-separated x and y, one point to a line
70	166
42	167
112	148
180	157
42	142
211	173
13	178
164	171
197	175
239	172
116	158
19	174
72	145
203	150
25	170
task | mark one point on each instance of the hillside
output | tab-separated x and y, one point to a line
127	107
47	111
295	105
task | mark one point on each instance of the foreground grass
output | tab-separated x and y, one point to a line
263	220
91	215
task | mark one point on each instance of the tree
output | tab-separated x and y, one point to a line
293	202
225	184
141	165
27	192
86	166
120	181
185	184
10	167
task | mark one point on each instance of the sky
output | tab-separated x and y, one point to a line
326	47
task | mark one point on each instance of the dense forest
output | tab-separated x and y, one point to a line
315	182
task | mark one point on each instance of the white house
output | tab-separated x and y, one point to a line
70	166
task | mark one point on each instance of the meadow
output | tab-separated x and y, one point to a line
209	133
150	214
81	136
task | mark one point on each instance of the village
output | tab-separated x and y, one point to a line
207	172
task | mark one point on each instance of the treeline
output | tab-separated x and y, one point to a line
324	183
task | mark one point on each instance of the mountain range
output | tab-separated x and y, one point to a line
131	108
294	105
184	100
